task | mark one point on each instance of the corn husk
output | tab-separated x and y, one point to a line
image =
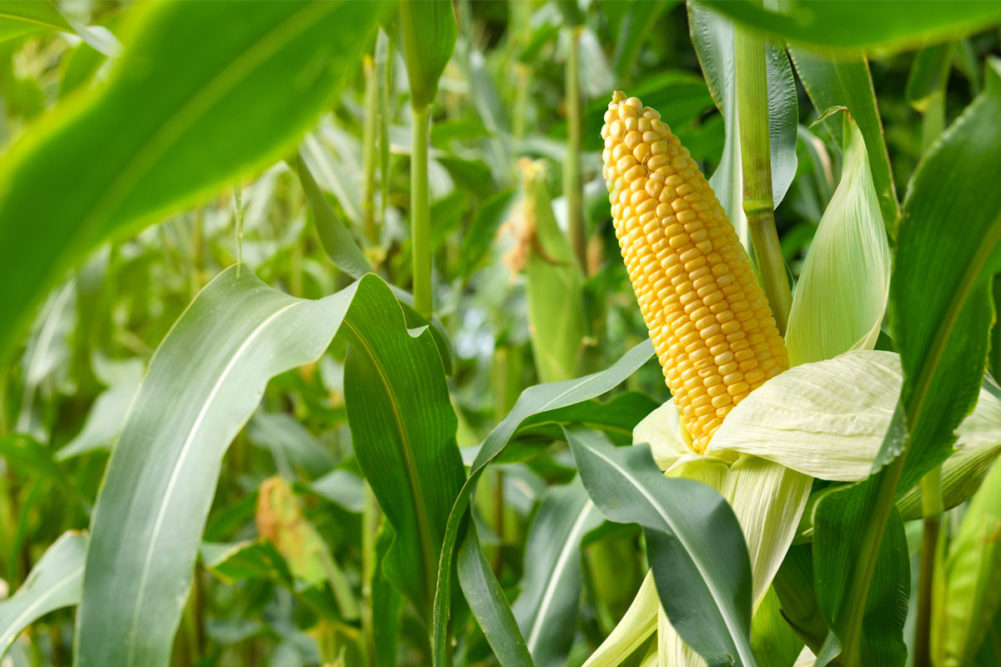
844	286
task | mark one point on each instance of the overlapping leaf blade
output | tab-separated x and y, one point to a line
188	109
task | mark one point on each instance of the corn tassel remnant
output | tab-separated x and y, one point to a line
709	320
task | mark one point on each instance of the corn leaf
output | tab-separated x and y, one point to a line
54	582
695	547
632	631
713	37
203	383
404	426
488	604
169	127
973	577
887	25
19	18
845	281
546	609
535	401
847	82
949	248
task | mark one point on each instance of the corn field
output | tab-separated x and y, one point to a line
500	332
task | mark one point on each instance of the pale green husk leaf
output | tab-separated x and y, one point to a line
828	419
845	282
636	626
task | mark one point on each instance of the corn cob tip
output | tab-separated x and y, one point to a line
710	323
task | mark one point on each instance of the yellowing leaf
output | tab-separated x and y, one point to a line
845	283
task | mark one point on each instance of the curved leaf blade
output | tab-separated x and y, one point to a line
696	548
404	427
488	604
170	127
948	249
53	583
161	477
550	591
534	401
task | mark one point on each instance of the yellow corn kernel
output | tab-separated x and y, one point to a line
710	323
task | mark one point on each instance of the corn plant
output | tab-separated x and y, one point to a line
398	333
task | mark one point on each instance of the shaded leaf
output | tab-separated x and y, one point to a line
429	33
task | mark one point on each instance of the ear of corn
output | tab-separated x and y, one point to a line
709	320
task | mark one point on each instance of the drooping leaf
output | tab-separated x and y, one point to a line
844	284
403	427
107	415
546	609
695	545
429	33
847	82
203	384
883	25
948	250
294	448
170	127
713	38
633	630
54	582
536	400
488	604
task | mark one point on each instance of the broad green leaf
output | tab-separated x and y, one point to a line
170	127
336	239
973	577
429	32
883	25
24	454
486	600
713	37
846	82
54	582
203	383
793	585
387	603
840	520
616	417
534	401
555	283
481	232
947	252
546	609
844	284
403	427
695	546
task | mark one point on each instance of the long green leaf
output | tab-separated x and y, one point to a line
847	82
24	17
403	427
188	109
203	383
884	25
488	604
534	401
713	37
54	582
696	548
948	249
550	591
839	523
